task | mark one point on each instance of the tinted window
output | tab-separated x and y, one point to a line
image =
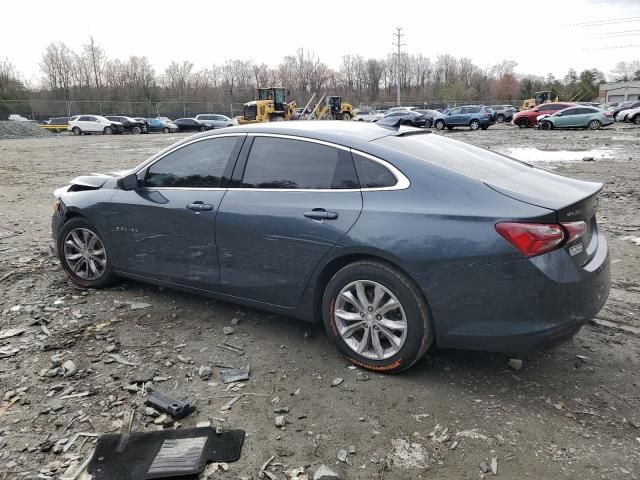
455	111
84	119
197	165
371	174
546	108
471	110
281	163
570	111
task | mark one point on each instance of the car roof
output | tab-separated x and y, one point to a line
337	131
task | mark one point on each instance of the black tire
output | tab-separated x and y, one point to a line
346	116
594	125
202	129
106	278
636	119
474	124
419	333
76	131
500	118
108	131
485	127
136	130
166	130
546	125
440	124
449	128
522	122
428	124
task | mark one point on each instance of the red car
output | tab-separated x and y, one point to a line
529	118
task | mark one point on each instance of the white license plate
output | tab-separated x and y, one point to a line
576	249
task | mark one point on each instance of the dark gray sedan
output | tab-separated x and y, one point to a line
394	238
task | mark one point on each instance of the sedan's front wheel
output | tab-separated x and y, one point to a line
83	254
440	124
377	317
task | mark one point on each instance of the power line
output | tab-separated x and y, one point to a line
397	44
612	47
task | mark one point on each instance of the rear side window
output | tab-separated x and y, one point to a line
372	174
197	165
294	164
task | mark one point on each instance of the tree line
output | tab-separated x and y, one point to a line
90	74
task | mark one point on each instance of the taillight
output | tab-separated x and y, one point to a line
532	239
608	114
574	230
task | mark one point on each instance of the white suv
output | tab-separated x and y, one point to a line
216	121
93	124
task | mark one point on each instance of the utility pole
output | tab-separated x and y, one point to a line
397	44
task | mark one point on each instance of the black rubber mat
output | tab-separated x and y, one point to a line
162	454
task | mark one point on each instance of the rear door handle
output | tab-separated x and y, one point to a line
200	207
321	214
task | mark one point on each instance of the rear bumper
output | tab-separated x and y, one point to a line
519	306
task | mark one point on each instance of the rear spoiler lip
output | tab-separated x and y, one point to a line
596	187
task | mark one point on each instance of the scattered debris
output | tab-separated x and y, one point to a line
343	456
164	403
121	360
205	372
12	332
280	421
633	239
228	330
231	348
494	465
515	363
337	381
235	374
484	467
138	305
69	368
325	473
408	455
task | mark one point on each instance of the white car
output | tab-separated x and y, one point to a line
18	118
632	115
366	115
216	120
81	124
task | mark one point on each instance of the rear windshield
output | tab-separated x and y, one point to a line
460	157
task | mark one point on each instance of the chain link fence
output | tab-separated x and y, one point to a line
42	110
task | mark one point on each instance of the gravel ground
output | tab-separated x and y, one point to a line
13	130
79	359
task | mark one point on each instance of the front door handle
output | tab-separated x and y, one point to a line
200	207
321	214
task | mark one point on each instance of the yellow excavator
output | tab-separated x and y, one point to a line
270	106
333	108
539	98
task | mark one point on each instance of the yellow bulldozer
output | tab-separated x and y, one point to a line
539	98
332	108
270	106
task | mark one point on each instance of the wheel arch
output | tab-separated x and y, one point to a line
329	269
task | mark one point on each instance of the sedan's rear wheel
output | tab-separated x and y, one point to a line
440	124
83	254
165	130
108	131
377	317
594	125
202	129
523	123
76	131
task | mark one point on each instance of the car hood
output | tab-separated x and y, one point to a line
92	181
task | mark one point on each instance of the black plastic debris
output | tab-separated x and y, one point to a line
162	454
164	403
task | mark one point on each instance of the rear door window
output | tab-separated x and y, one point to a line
197	165
279	163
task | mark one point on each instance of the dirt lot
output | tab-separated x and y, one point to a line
572	412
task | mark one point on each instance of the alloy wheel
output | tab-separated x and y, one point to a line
370	320
85	254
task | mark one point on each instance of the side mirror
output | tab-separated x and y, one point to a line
559	114
129	182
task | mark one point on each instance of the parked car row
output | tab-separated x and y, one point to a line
115	124
627	112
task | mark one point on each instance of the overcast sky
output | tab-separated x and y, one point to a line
542	35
